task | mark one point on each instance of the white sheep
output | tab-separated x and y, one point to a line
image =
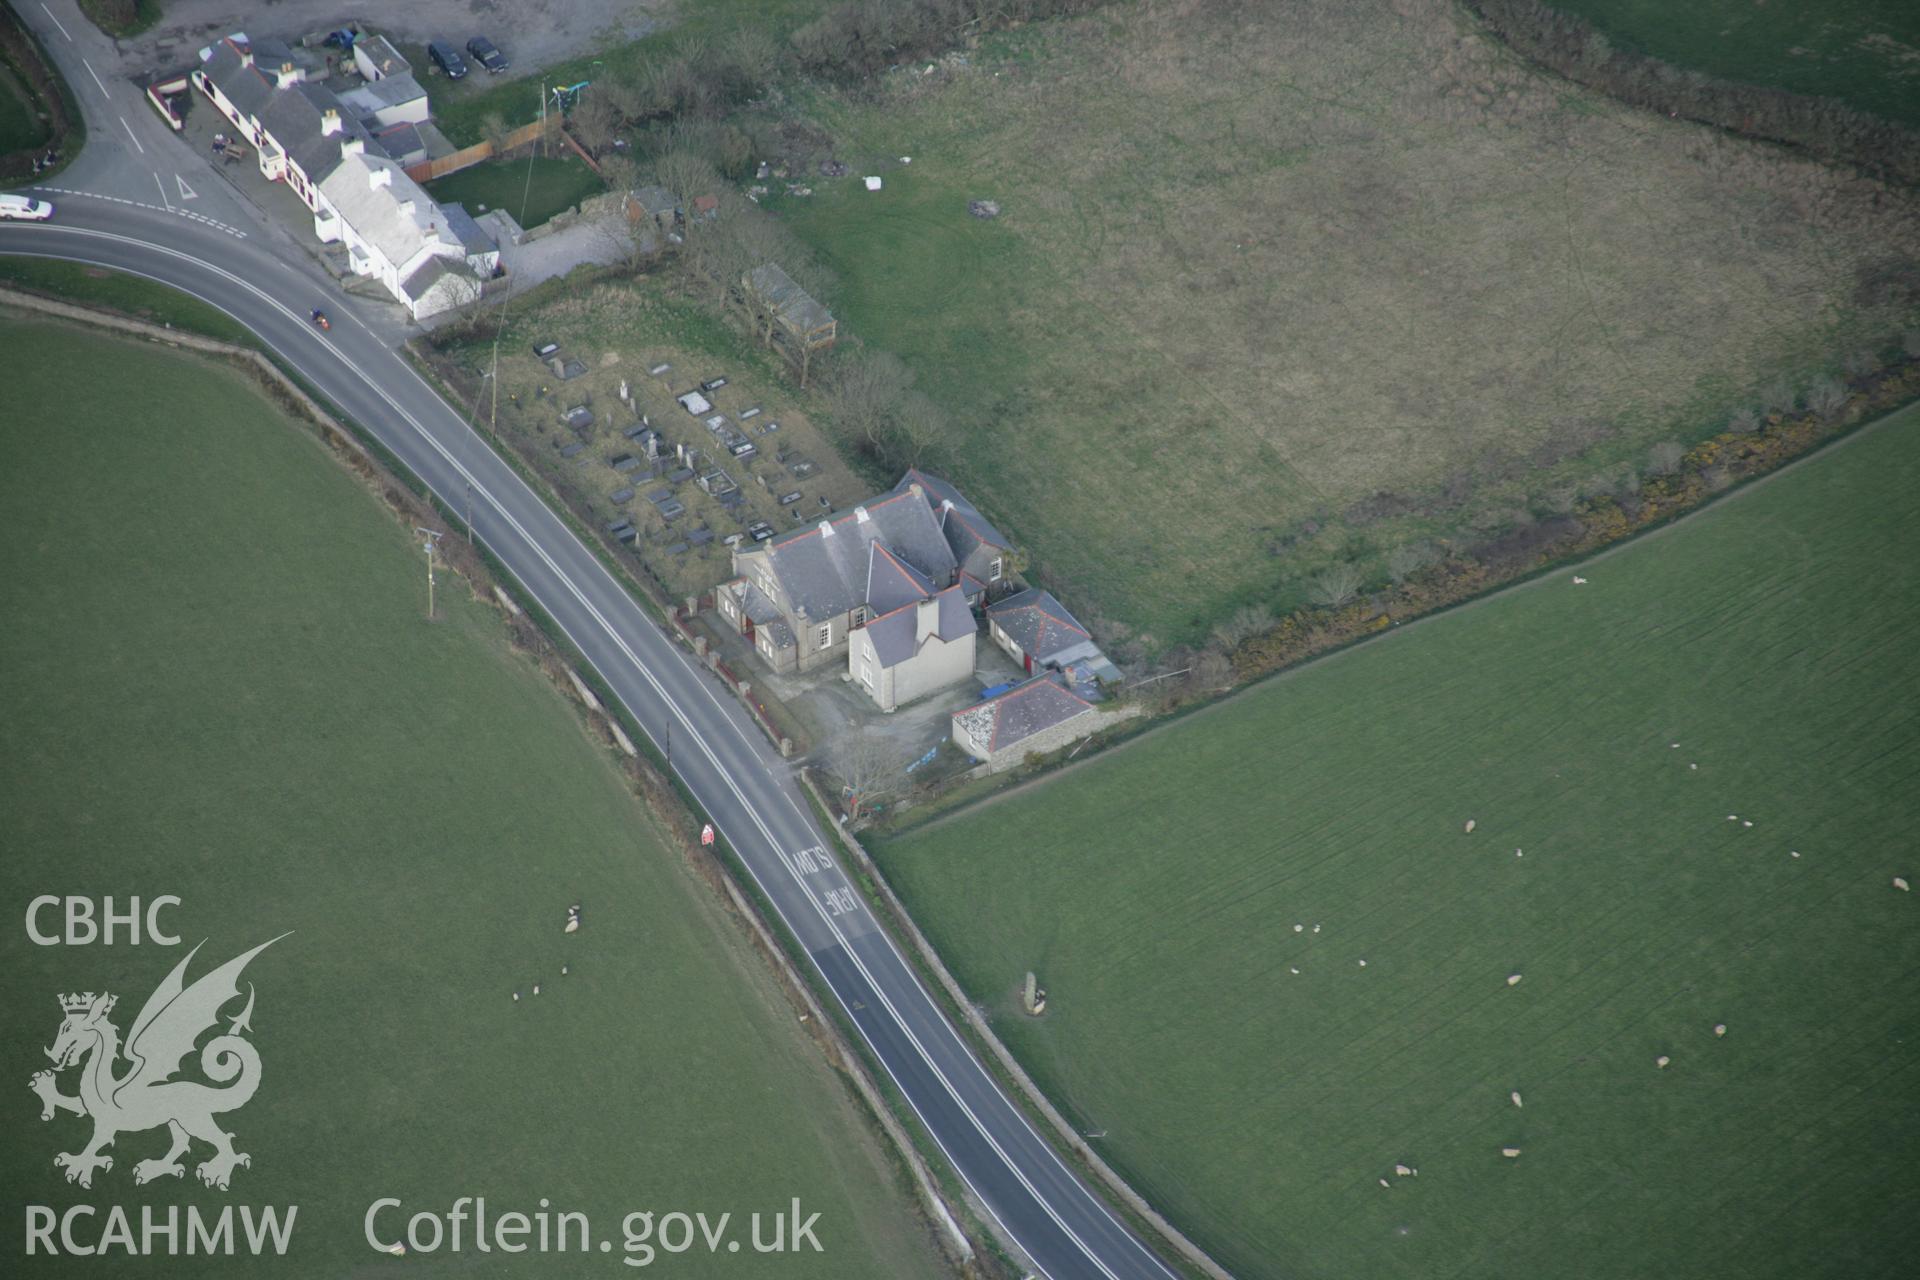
1796	853
1579	581
536	988
573	924
1299	928
1471	824
1402	1171
1515	1095
1900	883
1363	964
516	997
1511	1153
1746	822
1316	928
1662	1061
1513	979
1385	1183
1719	1028
1292	969
564	971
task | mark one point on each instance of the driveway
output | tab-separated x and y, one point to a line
533	33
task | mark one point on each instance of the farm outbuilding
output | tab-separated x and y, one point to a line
787	317
1034	716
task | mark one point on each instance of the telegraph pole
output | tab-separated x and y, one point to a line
430	540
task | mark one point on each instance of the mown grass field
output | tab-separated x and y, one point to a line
1252	271
219	684
1166	894
1863	52
556	184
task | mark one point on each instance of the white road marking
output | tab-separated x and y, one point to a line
136	141
186	192
619	642
57	23
96	77
163	192
202	218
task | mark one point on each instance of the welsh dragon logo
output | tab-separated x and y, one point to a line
146	1095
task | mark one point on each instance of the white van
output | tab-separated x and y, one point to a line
20	207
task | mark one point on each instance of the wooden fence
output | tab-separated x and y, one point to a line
467	157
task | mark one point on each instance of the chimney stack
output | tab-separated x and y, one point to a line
330	122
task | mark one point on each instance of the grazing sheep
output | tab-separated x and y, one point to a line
1385	1183
516	997
1511	1153
1900	883
1292	969
1316	928
1693	766
398	1251
1518	854
1733	817
1515	1095
1796	853
1363	964
1674	745
1662	1061
564	971
1579	581
1402	1171
1719	1028
536	988
1471	824
1746	822
573	926
1299	928
1513	979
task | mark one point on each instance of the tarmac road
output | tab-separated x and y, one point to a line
254	274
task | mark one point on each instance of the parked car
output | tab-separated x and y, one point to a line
447	58
482	51
25	208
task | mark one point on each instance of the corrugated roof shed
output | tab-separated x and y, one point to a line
792	306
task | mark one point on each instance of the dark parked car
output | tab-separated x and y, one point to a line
482	51
447	58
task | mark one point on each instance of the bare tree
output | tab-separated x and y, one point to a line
1242	624
1335	586
872	768
686	175
626	93
594	123
751	60
1664	458
919	425
1827	398
866	391
1405	561
493	129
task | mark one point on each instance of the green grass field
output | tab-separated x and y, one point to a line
1863	52
558	183
1251	273
1166	894
219	684
95	286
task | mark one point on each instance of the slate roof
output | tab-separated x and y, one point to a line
401	143
1019	713
389	91
823	574
892	582
291	116
376	213
1041	626
247	88
964	526
473	238
754	603
430	273
894	634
